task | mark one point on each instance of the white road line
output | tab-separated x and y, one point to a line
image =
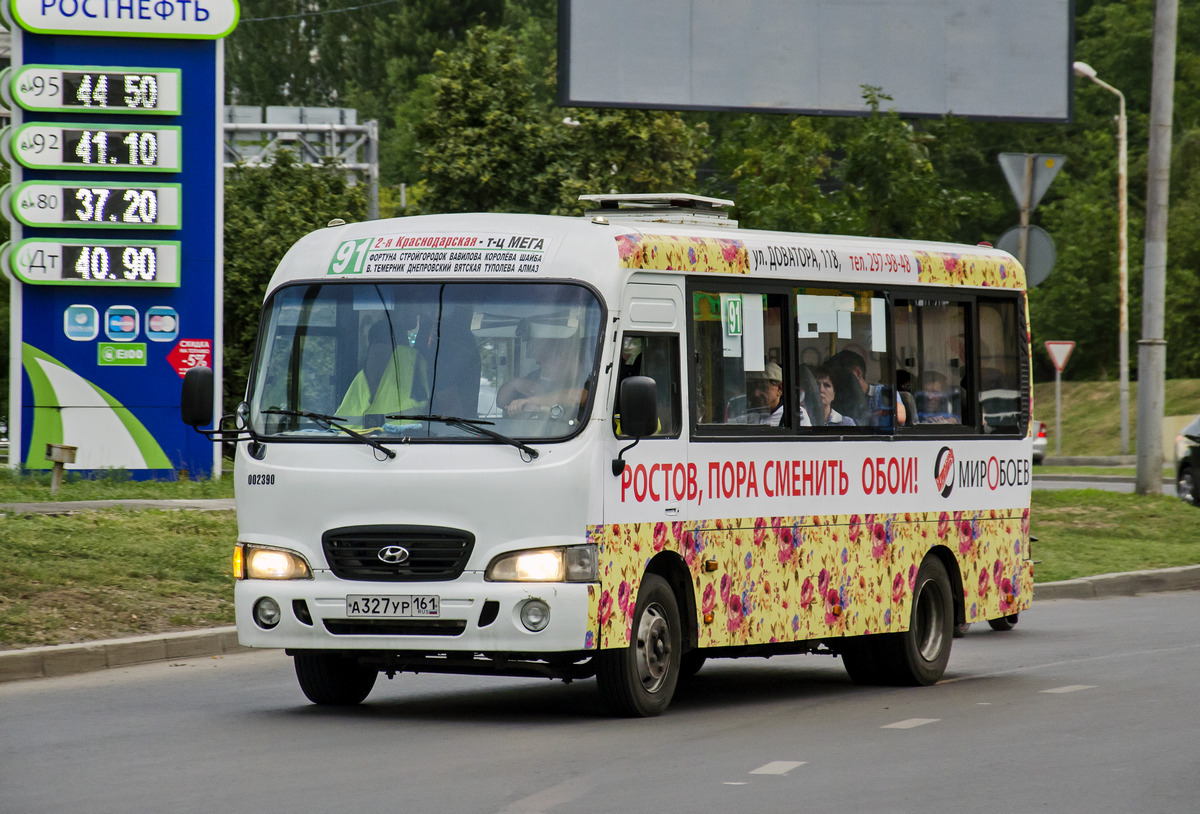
910	723
778	767
1071	688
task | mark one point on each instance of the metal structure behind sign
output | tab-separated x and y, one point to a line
250	142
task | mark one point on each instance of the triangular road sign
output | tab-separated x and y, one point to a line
1059	353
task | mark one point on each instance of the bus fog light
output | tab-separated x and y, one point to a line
266	613
535	615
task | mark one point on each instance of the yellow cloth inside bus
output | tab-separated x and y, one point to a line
404	372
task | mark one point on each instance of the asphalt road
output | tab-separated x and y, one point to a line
1087	706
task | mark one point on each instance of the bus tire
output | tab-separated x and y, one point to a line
922	652
1004	622
332	680
639	680
691	663
867	658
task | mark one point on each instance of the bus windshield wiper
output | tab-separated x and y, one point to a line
332	421
473	425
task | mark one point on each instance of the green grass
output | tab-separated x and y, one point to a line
1110	471
1087	532
106	574
17	487
1092	414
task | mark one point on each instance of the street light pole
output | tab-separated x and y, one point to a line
1088	72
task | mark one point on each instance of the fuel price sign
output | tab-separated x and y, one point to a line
108	263
114	90
96	147
97	205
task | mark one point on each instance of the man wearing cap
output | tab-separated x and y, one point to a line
764	395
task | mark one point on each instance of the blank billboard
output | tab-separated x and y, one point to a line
997	59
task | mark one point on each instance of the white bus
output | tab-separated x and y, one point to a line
620	444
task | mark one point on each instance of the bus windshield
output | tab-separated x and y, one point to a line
516	358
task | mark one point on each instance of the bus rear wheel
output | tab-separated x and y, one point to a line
923	651
1004	622
331	679
639	680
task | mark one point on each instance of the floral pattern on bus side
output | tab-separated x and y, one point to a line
945	268
797	578
669	253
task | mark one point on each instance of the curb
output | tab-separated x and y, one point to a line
1132	583
73	659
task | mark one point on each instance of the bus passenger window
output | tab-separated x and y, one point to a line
999	366
845	378
656	356
933	354
741	377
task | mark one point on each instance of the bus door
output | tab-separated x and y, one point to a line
653	487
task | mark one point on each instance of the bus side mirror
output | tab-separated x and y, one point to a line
196	403
639	414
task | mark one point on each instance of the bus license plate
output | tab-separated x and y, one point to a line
377	607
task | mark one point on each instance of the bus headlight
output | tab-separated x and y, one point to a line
566	564
253	562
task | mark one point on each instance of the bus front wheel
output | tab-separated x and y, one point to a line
640	679
923	651
330	679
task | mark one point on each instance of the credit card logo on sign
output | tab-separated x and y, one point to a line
121	323
162	324
81	323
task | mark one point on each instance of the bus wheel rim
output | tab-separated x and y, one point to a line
653	647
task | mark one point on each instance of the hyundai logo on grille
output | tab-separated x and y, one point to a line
393	554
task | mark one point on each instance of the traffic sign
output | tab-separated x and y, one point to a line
1029	175
1059	352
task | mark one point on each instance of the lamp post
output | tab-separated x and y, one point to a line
1088	72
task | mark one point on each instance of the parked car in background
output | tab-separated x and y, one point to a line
1039	441
1187	462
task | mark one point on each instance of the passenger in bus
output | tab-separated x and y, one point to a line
764	396
868	404
557	382
933	400
830	417
393	378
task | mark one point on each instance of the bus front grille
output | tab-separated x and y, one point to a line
397	553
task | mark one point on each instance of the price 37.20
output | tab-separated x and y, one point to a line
110	205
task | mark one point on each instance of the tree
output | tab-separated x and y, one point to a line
493	141
268	209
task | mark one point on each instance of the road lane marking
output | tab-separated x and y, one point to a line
910	723
778	767
1071	688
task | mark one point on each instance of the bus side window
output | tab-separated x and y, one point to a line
934	351
999	366
656	356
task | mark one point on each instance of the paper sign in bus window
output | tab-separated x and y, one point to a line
820	314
